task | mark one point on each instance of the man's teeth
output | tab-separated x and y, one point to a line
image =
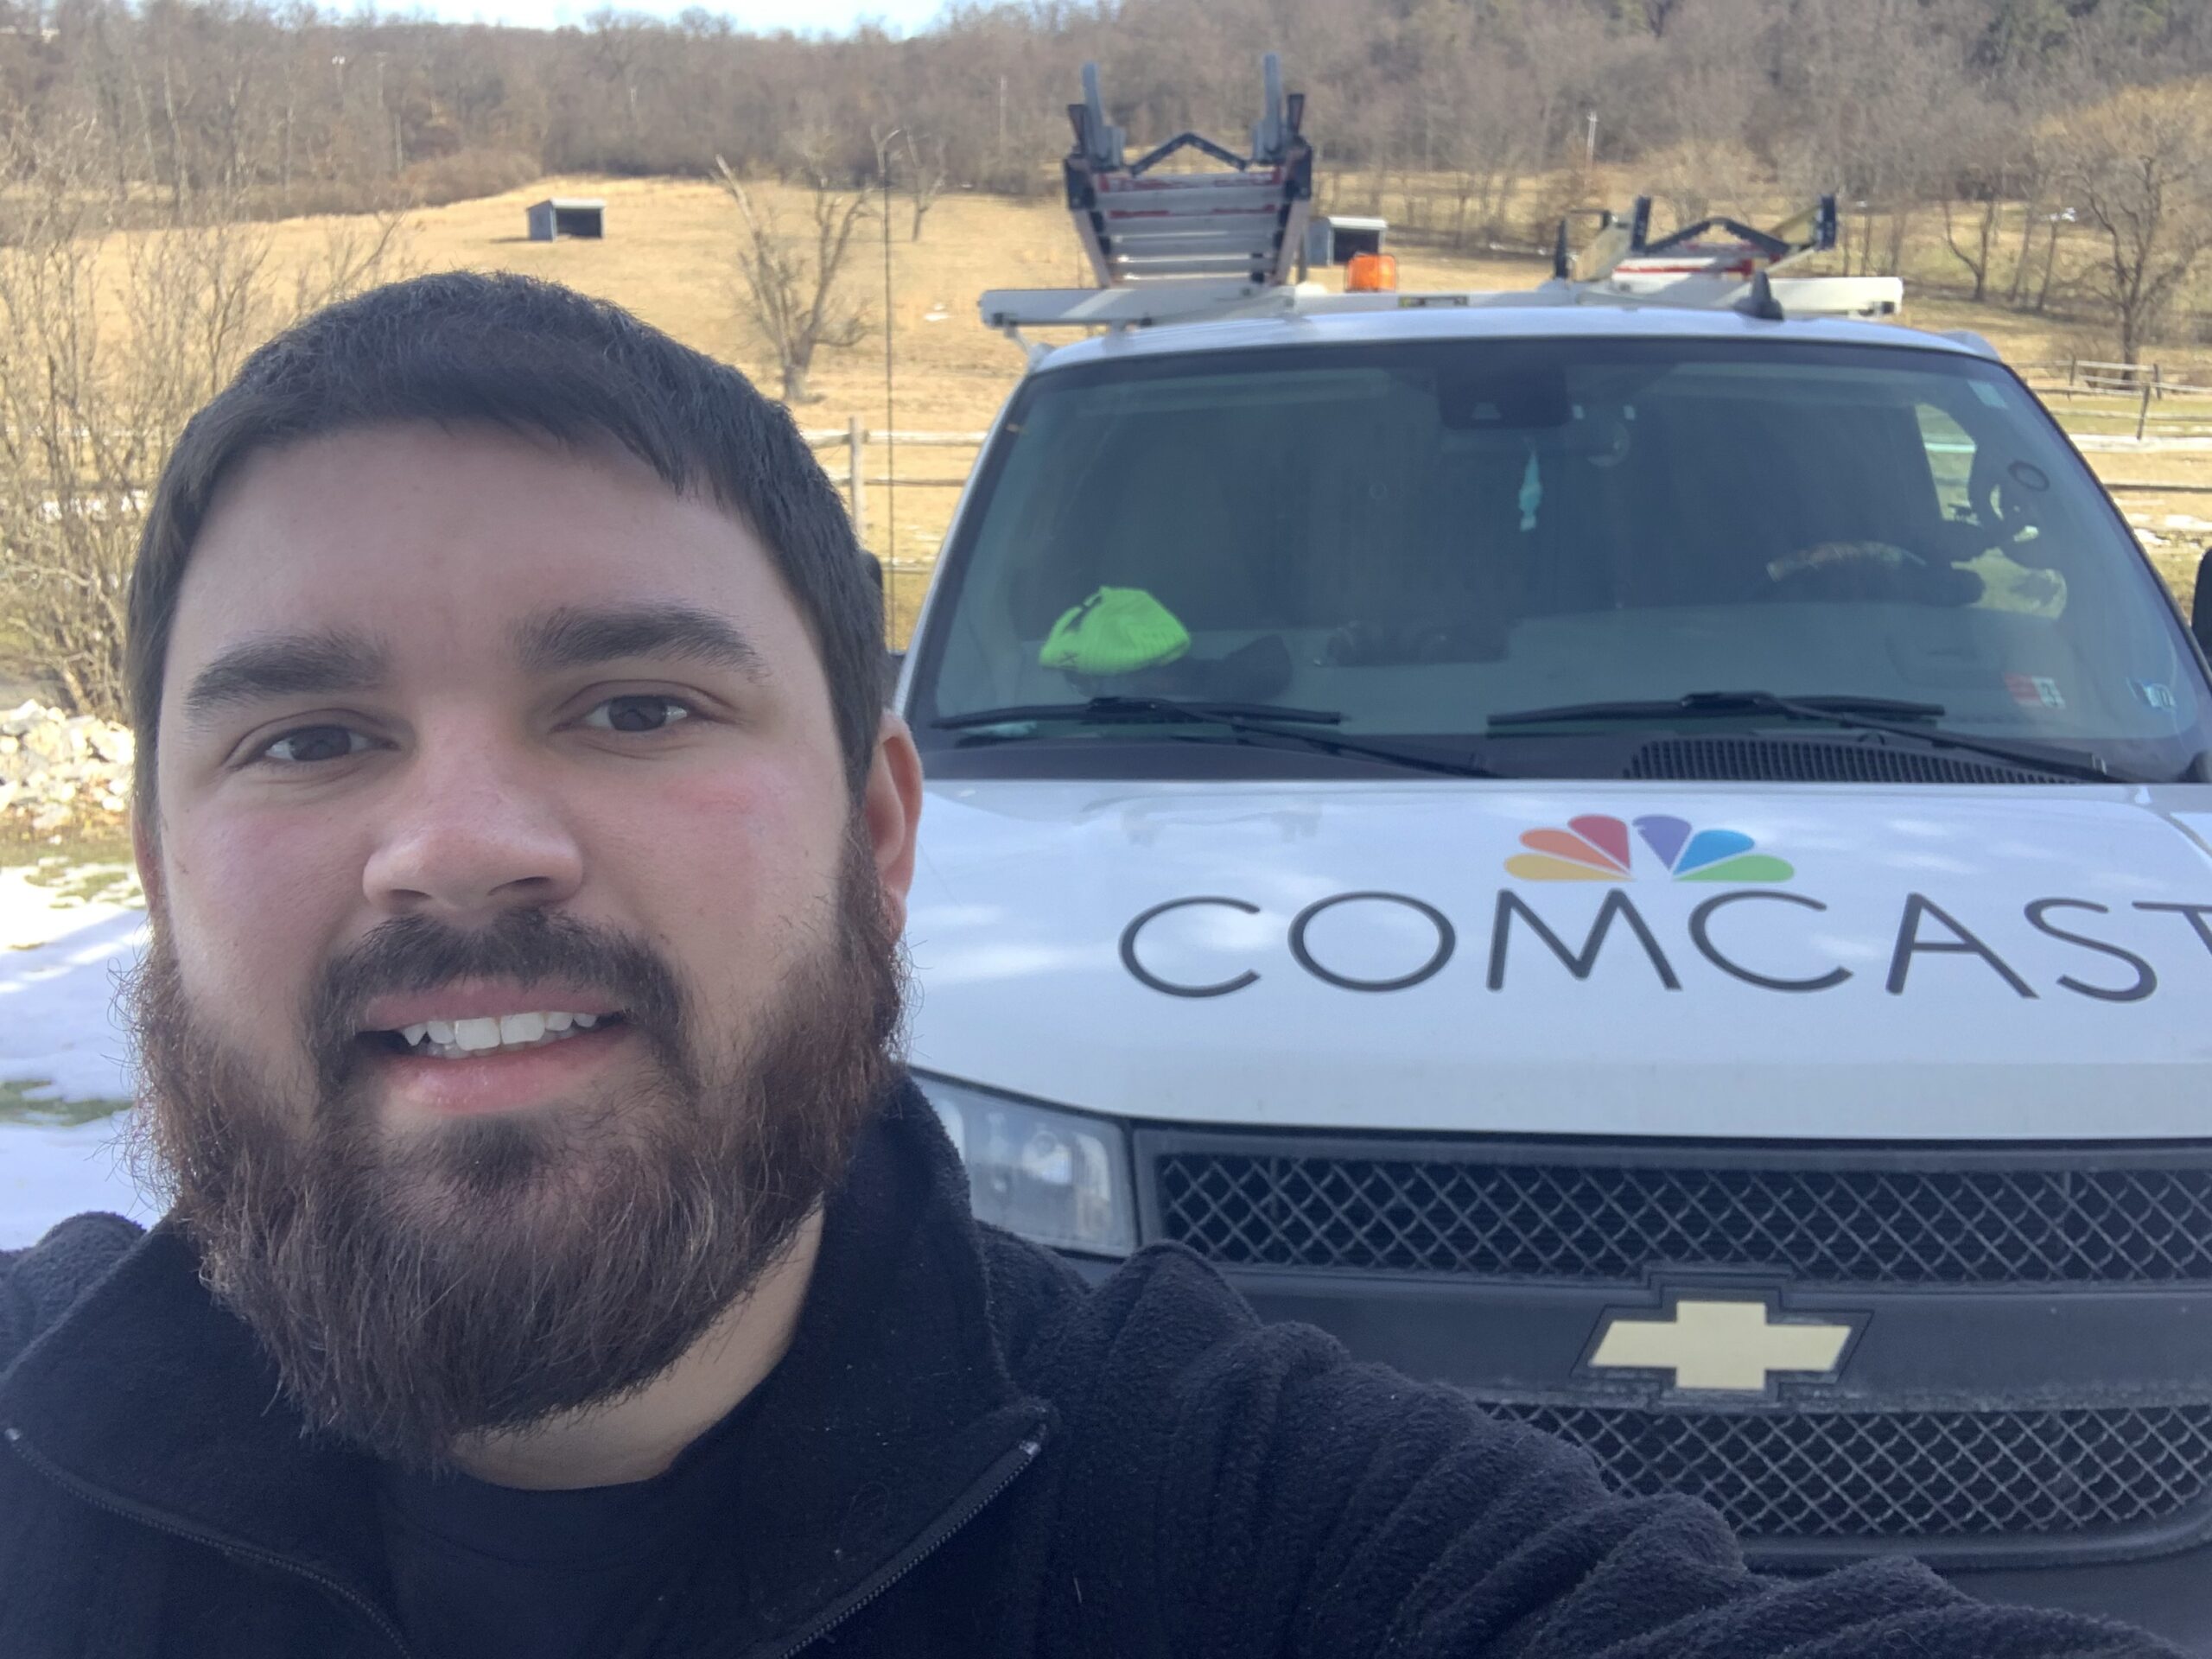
454	1040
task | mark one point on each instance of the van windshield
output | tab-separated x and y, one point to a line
1433	541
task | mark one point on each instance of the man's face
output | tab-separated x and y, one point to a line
520	947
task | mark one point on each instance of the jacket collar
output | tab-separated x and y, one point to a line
893	1400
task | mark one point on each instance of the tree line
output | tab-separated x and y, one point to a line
1884	100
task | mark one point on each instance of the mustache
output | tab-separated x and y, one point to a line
415	954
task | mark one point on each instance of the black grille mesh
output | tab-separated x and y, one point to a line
1756	760
1597	1222
1898	1474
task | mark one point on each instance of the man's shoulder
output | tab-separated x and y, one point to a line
38	1285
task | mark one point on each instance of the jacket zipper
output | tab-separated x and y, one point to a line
125	1509
972	1502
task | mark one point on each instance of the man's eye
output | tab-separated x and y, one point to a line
638	714
310	744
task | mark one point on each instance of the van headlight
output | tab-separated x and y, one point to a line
1057	1178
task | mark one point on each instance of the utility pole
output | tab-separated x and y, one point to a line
890	435
1590	145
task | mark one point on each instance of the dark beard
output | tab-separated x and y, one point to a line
489	1274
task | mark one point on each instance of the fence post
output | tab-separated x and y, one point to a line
2143	419
856	491
2069	371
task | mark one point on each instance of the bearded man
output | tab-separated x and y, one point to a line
560	1262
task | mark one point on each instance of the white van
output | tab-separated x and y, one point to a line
1667	883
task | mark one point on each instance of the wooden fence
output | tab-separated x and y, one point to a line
2141	383
2085	377
857	480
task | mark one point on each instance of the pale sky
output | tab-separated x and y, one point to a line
759	16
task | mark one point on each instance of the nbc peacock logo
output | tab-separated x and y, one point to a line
1595	847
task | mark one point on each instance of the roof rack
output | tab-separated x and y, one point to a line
1015	308
1215	244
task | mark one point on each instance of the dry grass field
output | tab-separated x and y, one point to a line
668	256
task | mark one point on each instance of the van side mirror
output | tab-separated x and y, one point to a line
2200	607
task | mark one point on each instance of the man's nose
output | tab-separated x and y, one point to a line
474	828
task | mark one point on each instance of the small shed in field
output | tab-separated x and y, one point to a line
567	216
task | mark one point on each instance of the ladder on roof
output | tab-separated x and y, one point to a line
1243	221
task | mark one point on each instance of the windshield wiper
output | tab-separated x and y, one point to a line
1247	719
1725	703
1853	713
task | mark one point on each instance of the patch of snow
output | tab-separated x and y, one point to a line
50	1173
58	966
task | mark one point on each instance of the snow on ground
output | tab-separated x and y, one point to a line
62	1053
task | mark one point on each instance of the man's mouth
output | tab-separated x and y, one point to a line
467	1039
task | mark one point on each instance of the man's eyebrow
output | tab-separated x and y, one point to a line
283	665
574	638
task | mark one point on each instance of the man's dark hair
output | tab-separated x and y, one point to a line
462	348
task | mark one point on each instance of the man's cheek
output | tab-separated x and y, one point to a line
255	913
738	876
708	828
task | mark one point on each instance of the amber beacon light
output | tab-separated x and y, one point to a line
1371	273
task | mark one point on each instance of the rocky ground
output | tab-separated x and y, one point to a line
62	771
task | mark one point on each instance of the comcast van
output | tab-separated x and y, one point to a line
1649	861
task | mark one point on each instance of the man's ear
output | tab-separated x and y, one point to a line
146	853
891	808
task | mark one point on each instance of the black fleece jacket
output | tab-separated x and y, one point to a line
966	1453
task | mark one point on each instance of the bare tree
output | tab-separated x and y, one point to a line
2029	171
926	175
790	282
1977	220
117	333
1654	15
2137	169
1978	144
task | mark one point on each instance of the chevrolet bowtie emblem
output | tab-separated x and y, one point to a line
1736	1345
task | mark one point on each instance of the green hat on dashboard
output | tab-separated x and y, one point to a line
1115	631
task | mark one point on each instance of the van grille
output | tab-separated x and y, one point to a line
1968	1226
1903	1475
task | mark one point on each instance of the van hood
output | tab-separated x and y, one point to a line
1842	963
